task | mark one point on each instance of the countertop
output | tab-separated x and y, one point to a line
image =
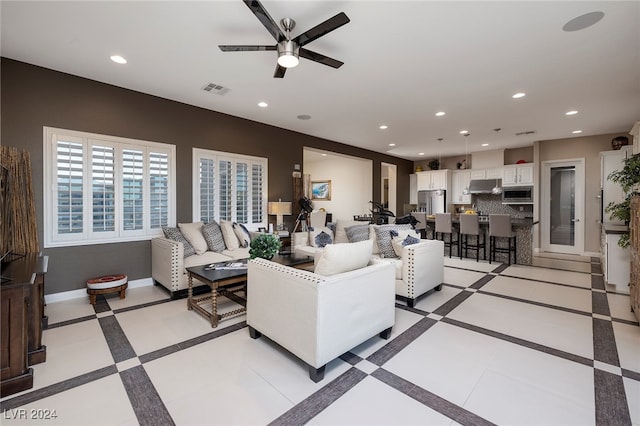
614	229
515	222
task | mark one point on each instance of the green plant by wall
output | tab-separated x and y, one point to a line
629	179
265	246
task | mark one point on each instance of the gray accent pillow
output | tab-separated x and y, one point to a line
357	233
176	235
242	233
385	237
213	236
322	239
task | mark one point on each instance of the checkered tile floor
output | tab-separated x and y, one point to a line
498	345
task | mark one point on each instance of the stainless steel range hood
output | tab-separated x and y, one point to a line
484	186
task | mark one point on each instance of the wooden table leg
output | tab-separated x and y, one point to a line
190	293
214	305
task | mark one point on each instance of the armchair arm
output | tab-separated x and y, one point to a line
422	268
299	239
167	262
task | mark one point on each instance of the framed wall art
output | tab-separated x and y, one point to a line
321	190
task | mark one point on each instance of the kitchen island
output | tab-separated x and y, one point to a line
521	226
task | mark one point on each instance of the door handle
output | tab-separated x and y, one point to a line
575	220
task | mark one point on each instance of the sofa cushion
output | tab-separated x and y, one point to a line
320	237
372	237
338	258
242	233
193	233
400	241
357	233
340	234
239	253
213	236
175	235
384	237
204	259
229	235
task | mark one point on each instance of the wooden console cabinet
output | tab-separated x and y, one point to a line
21	321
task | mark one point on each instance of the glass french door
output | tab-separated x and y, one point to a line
562	206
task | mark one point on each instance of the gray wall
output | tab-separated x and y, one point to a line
33	97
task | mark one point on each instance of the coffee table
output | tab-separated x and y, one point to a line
229	282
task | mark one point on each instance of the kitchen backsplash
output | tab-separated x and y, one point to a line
492	204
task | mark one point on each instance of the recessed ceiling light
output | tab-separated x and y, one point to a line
464	132
384	127
263	104
574	112
575	132
519	95
118	59
392	144
583	21
421	153
304	117
485	144
440	113
324	155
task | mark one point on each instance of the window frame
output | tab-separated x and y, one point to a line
234	159
89	236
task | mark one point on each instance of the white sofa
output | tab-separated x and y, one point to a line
315	317
169	266
419	269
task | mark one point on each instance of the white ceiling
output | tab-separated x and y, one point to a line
404	61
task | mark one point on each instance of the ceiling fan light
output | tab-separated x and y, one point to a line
288	54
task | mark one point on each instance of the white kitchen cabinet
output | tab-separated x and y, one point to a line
477	174
459	181
517	175
496	173
616	261
435	179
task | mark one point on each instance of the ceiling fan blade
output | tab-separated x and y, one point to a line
244	48
264	17
279	72
318	57
321	29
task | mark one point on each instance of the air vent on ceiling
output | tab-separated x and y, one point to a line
528	132
215	88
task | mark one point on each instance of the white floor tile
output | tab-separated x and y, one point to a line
461	277
372	402
138	296
404	320
68	310
550	327
551	275
482	266
620	307
551	294
567	265
435	299
628	344
102	402
572	257
632	389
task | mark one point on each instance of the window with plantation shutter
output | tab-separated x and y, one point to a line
105	188
229	187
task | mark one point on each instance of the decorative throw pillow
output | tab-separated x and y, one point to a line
340	235
357	233
374	238
213	236
320	237
399	242
193	233
338	258
244	237
175	235
384	237
229	235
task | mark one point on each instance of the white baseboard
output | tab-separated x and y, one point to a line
82	292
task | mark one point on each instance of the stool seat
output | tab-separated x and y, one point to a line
105	285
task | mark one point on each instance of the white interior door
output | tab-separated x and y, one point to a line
562	206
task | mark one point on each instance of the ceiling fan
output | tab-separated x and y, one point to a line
290	49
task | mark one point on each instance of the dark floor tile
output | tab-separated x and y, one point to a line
145	401
610	399
118	343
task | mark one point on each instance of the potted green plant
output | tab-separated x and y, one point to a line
629	179
265	246
434	164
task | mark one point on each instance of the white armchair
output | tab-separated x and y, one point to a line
315	317
418	270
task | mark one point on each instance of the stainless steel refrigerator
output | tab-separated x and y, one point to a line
432	202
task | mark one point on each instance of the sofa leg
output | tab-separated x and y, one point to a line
316	374
438	287
253	333
385	334
411	302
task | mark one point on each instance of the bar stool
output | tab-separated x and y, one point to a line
443	227
421	226
469	225
500	227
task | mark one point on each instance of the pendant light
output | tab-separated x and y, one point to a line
439	191
465	191
496	190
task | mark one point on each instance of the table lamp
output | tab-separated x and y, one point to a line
279	208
